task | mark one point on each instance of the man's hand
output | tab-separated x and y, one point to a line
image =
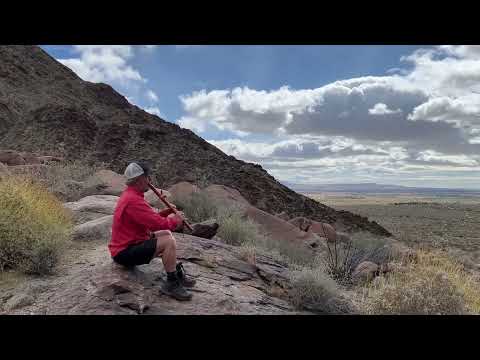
179	217
167	211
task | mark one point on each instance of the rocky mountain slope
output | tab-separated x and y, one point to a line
92	284
45	108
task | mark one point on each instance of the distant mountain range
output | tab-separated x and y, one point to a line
372	188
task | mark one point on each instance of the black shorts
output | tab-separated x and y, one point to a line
138	254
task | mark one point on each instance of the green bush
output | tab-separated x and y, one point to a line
198	207
234	229
314	290
34	226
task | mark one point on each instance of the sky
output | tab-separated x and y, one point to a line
403	115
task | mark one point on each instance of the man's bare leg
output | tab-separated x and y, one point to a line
176	279
166	249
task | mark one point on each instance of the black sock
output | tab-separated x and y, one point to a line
172	276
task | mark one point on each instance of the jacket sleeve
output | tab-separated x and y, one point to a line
143	214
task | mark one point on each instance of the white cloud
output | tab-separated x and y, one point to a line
154	111
382	109
192	123
431	106
460	111
436	157
423	122
246	110
152	96
130	100
104	63
463	51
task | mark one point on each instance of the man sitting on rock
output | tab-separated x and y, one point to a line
139	233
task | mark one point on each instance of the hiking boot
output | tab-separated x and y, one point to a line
185	280
176	290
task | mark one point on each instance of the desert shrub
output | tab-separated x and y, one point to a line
342	257
198	207
432	284
455	272
313	289
408	293
234	229
295	254
34	226
248	253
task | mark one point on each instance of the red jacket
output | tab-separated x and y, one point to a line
133	221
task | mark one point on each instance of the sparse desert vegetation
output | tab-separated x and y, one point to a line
448	223
324	281
433	284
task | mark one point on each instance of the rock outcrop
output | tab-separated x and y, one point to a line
225	285
92	207
98	229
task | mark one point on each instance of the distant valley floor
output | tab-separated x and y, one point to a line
451	223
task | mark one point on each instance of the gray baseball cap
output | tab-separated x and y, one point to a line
135	169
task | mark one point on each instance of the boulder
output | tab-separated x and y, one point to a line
98	229
92	207
182	190
402	252
301	222
18	301
323	230
39	171
225	195
278	229
364	272
105	182
11	158
226	284
153	200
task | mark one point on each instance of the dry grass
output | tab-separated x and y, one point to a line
34	226
433	284
235	229
248	253
314	290
198	207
